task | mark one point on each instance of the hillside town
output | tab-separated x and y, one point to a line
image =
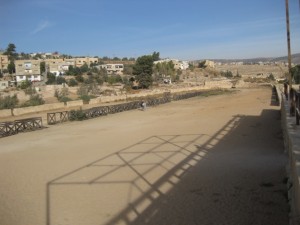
36	66
46	78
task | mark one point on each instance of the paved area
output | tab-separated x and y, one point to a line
206	160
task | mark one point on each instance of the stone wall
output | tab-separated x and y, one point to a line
291	134
5	113
75	103
39	108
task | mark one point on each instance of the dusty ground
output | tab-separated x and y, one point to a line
215	160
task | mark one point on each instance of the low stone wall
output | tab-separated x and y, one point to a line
106	99
5	113
75	103
94	101
224	84
291	134
39	108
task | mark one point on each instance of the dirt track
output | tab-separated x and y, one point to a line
216	160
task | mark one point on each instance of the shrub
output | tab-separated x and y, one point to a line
77	115
8	102
72	82
85	98
271	77
60	80
64	99
25	84
79	78
30	91
34	101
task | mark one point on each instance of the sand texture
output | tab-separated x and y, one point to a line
215	160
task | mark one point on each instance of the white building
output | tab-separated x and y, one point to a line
28	70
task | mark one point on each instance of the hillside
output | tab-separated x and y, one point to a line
295	59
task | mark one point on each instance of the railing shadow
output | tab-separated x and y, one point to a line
148	173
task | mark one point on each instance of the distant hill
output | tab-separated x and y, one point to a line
295	59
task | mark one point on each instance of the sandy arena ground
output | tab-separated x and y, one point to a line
207	160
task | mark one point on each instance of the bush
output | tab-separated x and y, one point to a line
77	115
60	80
85	98
30	91
271	77
79	78
8	102
64	99
25	84
72	82
34	101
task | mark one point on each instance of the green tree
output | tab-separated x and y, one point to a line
11	52
60	80
8	102
43	67
143	71
271	77
79	78
84	68
164	69
72	82
155	56
25	84
12	55
11	67
51	78
227	74
295	71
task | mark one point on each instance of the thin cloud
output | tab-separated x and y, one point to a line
41	26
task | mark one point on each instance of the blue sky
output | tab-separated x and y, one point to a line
187	30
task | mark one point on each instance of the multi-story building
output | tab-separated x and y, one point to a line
54	66
59	66
87	60
113	68
68	62
3	62
27	70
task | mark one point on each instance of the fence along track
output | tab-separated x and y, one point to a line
57	117
31	124
60	117
177	97
17	126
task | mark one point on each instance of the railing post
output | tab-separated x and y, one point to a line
292	102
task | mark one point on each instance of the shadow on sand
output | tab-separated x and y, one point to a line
181	179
